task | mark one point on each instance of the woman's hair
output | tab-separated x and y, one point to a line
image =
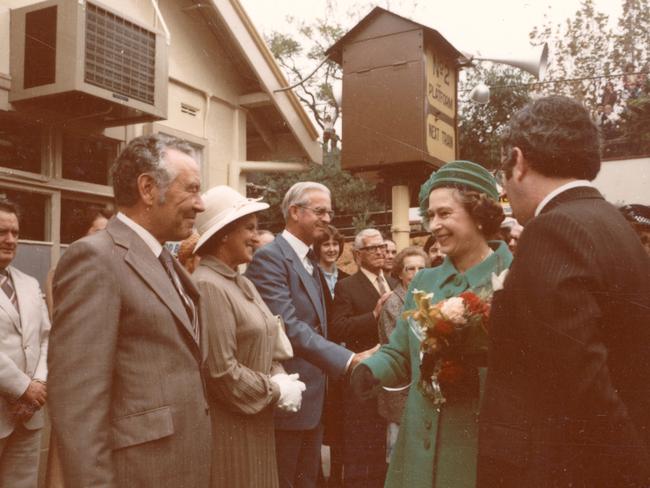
431	240
398	265
486	213
331	233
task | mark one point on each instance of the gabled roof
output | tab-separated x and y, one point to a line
259	59
335	52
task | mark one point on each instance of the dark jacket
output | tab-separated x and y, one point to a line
567	399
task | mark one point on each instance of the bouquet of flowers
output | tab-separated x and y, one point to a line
450	331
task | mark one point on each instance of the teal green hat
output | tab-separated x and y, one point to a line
459	174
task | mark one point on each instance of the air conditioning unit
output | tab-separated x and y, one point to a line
80	61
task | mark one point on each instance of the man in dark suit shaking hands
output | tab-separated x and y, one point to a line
567	400
288	279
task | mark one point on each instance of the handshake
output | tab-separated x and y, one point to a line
290	391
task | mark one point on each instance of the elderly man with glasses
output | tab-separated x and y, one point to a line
358	300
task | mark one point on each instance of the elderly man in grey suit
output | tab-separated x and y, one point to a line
289	280
127	400
24	330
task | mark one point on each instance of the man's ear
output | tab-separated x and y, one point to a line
521	166
147	189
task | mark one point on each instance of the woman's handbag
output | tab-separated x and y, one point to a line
282	349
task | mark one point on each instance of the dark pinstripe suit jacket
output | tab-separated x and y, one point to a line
126	396
567	400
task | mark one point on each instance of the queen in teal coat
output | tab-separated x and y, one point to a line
437	443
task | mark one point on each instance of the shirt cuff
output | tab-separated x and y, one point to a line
347	365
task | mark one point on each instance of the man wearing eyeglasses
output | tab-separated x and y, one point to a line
358	300
287	277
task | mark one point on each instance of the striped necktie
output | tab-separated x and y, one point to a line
382	287
167	261
8	287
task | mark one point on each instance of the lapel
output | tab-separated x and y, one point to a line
143	262
367	289
308	280
6	304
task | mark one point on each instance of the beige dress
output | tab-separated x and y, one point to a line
241	333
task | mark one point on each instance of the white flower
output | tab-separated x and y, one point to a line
498	281
454	310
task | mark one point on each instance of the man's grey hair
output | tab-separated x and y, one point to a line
297	195
145	154
362	235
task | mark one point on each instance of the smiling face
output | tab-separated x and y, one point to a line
8	238
174	210
329	252
456	232
240	243
310	218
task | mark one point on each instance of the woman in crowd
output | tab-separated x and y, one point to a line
328	248
244	383
391	403
437	440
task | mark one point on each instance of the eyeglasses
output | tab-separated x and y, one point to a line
318	211
375	248
410	269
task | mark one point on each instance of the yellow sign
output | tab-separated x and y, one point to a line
441	139
441	84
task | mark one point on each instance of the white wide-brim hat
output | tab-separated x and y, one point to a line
223	205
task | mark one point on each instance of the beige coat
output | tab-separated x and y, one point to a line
125	391
241	332
23	347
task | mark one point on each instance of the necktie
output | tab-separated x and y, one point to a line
382	287
311	257
167	261
8	287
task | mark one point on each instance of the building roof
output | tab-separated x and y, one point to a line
251	48
335	52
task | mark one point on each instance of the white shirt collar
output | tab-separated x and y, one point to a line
558	190
373	278
296	244
151	242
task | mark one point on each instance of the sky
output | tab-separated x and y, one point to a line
491	27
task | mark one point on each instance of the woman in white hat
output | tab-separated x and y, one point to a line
243	381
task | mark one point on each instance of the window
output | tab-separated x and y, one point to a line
20	145
88	158
77	217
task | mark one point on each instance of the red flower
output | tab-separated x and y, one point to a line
444	328
474	304
450	372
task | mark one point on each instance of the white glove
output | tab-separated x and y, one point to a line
290	391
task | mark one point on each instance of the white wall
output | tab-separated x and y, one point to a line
625	181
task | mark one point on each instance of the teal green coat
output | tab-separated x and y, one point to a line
436	446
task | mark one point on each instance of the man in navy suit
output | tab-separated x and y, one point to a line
288	279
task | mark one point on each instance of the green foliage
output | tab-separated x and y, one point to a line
350	195
479	125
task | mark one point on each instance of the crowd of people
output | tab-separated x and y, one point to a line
502	353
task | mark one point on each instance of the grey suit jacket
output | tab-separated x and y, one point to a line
23	347
126	394
289	291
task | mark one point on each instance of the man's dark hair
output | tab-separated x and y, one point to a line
557	137
144	154
8	206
